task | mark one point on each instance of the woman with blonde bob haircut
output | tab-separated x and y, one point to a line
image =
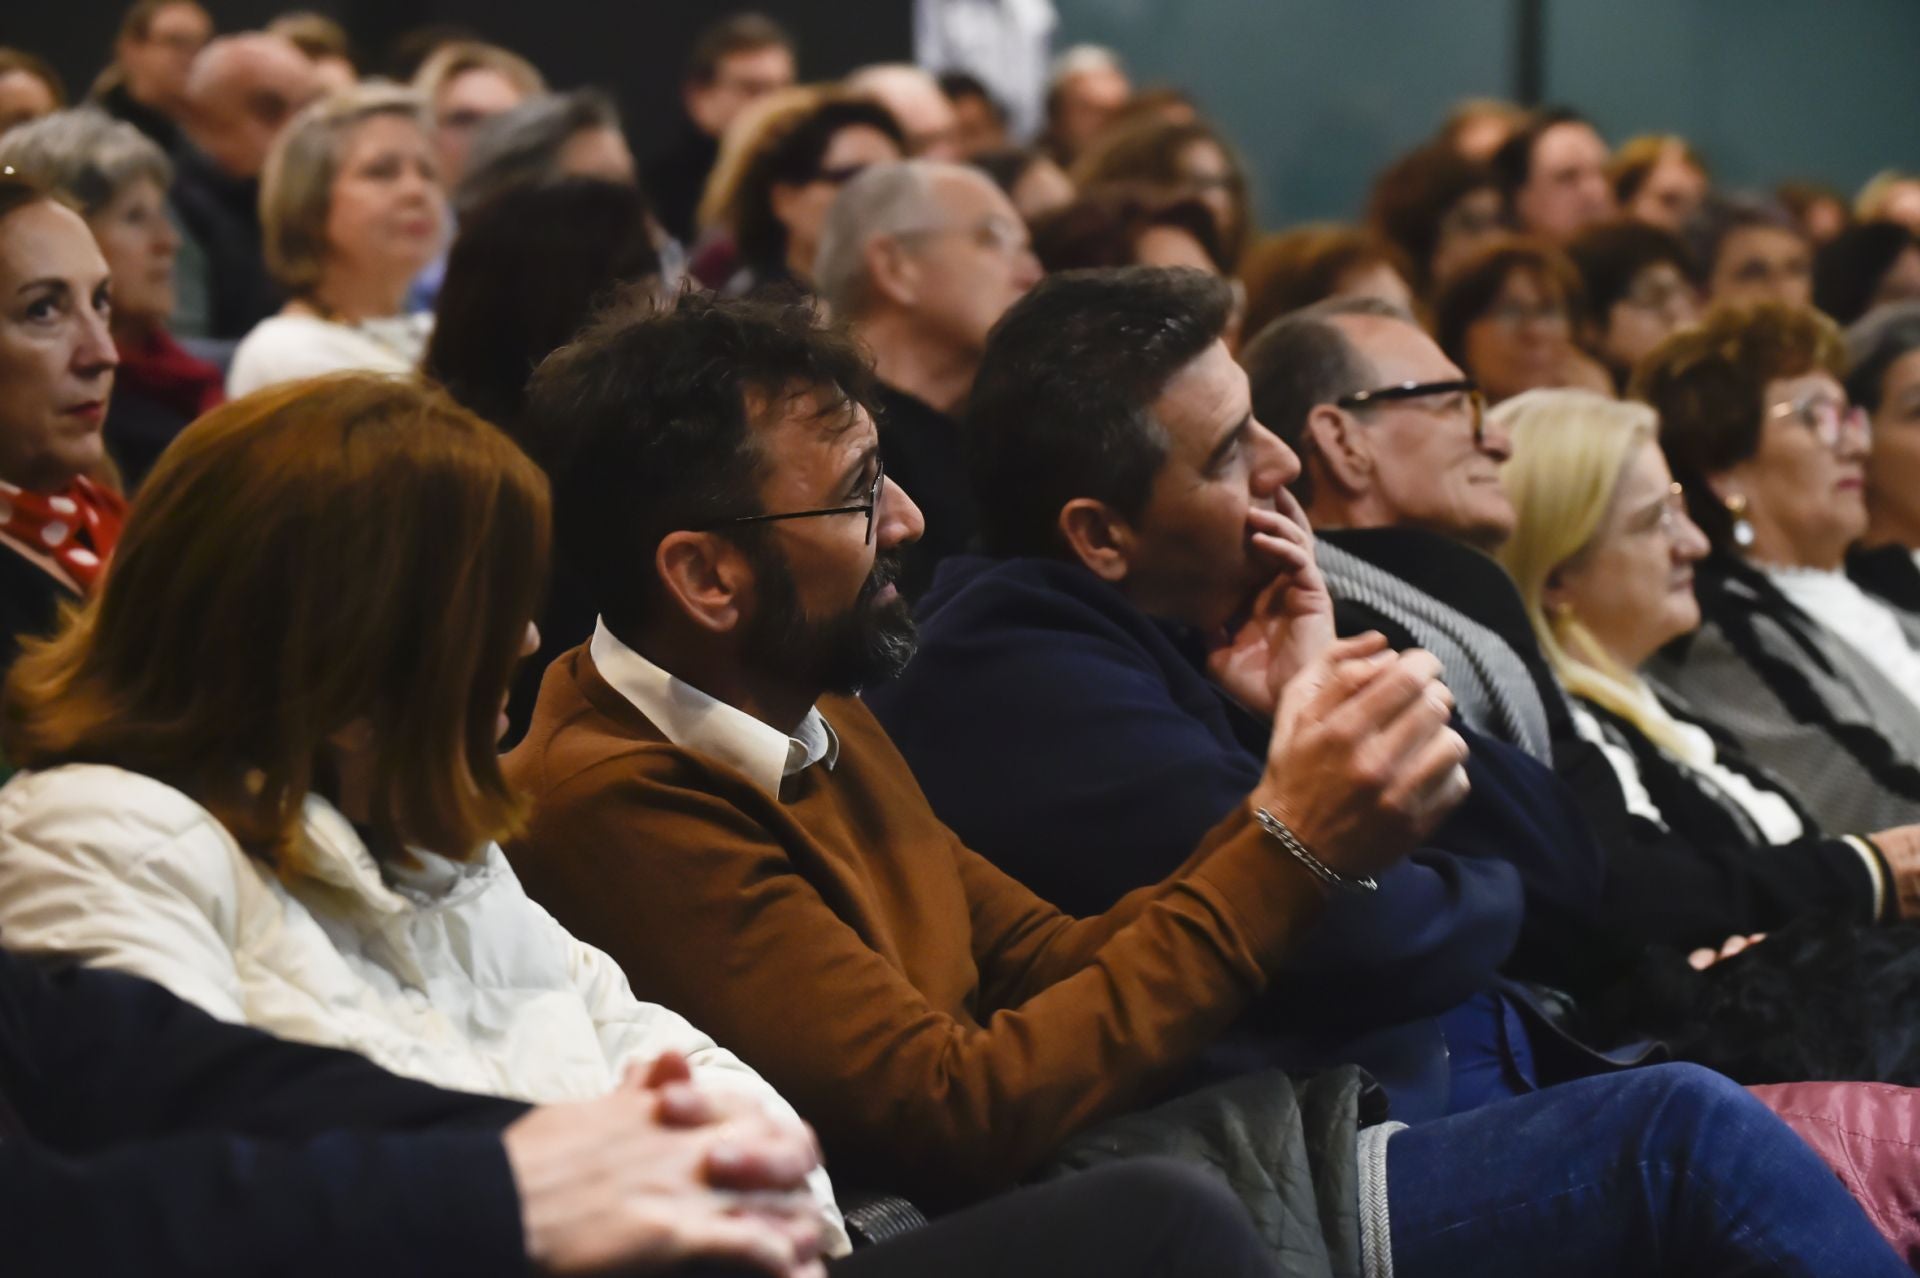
351	211
260	762
1603	554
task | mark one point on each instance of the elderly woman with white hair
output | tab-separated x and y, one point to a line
352	211
117	179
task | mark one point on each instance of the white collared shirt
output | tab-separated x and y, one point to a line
695	721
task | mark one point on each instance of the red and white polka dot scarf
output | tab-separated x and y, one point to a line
76	528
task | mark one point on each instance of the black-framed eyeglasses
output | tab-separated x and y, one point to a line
867	508
1474	398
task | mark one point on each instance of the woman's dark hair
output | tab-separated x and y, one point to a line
349	549
1061	406
1876	343
1007	166
1103	229
1611	255
1720	216
794	159
653	411
1298	267
1412	197
1849	269
1148	152
1472	290
1512	163
524	276
1708	382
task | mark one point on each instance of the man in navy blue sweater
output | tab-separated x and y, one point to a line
1091	700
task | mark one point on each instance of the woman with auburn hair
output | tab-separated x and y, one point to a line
1508	317
1291	269
260	763
59	518
1817	680
351	211
1176	159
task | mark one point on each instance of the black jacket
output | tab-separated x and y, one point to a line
30	599
924	453
222	214
139	1136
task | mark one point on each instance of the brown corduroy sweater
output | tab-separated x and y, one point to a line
942	1027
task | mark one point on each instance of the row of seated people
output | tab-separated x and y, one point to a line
259	769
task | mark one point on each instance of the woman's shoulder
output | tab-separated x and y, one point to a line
102	807
283	347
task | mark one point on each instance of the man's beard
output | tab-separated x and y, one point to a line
865	644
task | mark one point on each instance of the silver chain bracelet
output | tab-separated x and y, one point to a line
1321	870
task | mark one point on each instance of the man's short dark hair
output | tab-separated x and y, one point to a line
1512	164
958	84
1061	406
1303	360
1611	255
740	33
648	410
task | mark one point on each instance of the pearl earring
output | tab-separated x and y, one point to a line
1742	526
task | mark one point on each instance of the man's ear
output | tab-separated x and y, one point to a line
1098	537
1346	455
706	577
892	272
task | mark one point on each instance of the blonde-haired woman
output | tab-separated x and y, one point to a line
352	210
1603	554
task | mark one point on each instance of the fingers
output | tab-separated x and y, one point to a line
761	1153
668	1067
1432	781
1385	693
1702	959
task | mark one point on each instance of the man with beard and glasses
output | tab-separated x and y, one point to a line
742	837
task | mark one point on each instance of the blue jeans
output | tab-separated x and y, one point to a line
1667	1169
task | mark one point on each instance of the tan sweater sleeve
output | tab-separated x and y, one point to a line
709	915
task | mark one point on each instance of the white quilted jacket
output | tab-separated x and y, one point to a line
449	974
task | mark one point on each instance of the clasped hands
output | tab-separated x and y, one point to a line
661	1172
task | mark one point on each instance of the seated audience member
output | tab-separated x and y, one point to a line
1636	282
1176	160
1086	89
1660	180
352	211
1401	479
243	91
1308	264
945	1029
1890	196
1603	554
1553	176
1478	127
1819	211
1118	227
920	259
1118	644
1036	185
1507	317
733	63
1438	209
153	55
1866	265
980	122
325	43
1883	377
125	1094
1747	251
29	88
465	84
524	276
117	178
280	801
57	363
772	195
545	139
914	98
1815	679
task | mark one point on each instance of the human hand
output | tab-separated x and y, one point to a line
1362	764
660	1172
1702	959
1901	848
1290	621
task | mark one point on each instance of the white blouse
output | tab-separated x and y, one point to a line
282	348
1833	600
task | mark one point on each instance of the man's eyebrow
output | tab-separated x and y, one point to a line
858	468
1228	440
